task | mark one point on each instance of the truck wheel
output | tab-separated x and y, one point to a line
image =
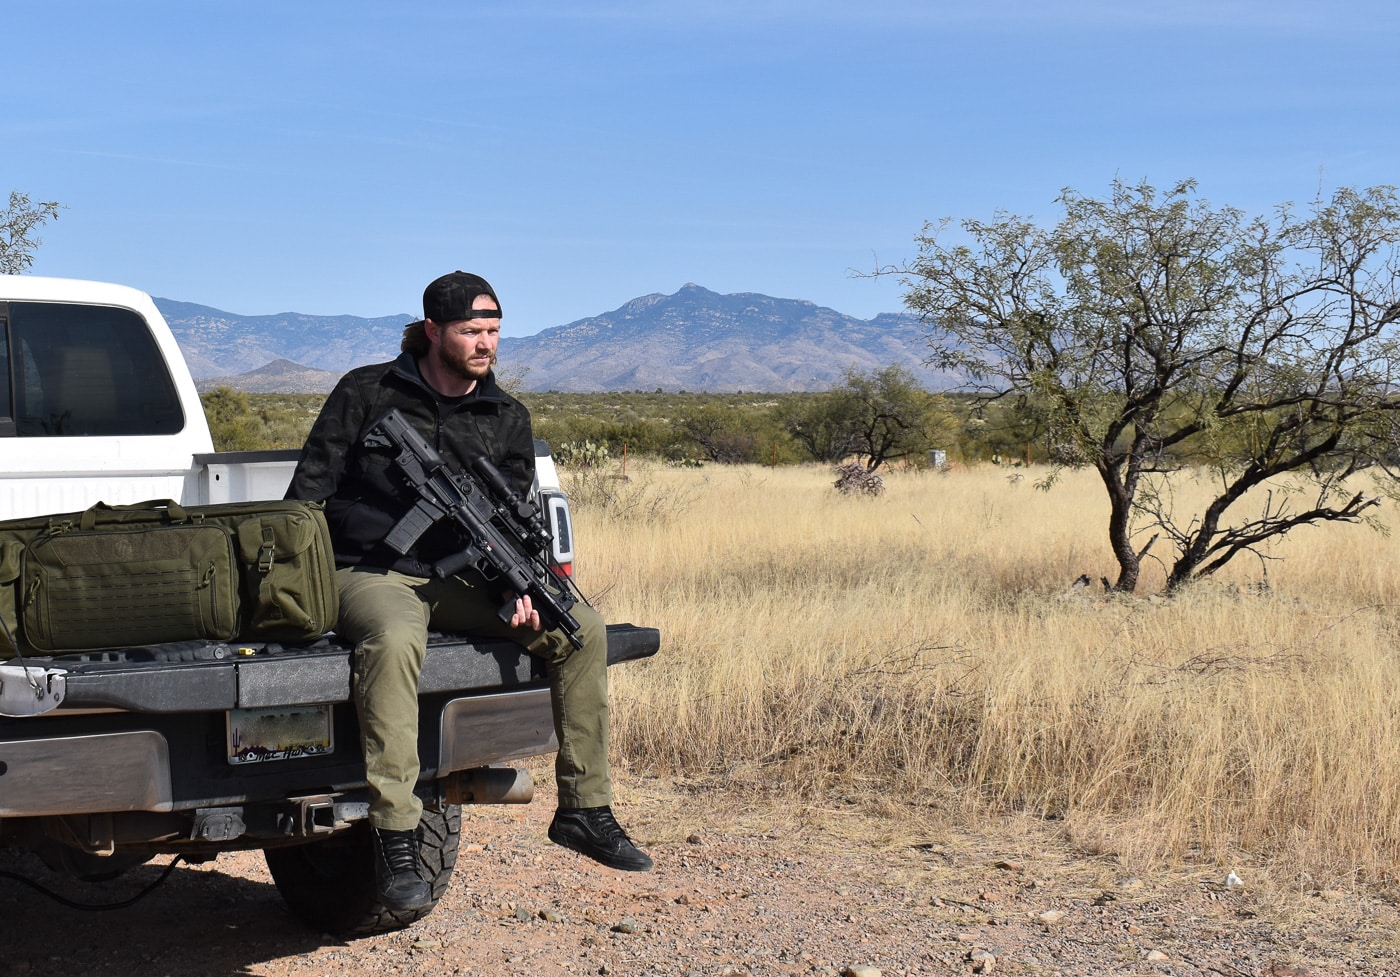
329	885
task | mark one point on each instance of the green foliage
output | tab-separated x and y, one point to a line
722	433
232	423
18	223
881	416
602	430
579	455
598	430
818	424
674	427
1002	431
241	421
891	417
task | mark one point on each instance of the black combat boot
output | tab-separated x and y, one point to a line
593	831
396	877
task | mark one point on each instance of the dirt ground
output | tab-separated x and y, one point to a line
772	892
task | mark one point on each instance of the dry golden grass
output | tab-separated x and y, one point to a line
925	649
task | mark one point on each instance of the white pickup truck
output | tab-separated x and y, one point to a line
110	758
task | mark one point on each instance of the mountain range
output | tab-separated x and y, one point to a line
693	340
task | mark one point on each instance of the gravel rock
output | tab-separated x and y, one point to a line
786	899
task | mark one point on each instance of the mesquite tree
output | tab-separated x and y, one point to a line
17	226
1148	330
880	416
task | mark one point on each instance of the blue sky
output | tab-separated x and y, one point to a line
332	158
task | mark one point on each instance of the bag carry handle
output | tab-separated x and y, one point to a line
93	516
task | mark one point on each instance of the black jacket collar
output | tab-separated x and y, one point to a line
486	391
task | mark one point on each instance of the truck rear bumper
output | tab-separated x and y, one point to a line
480	730
126	771
131	770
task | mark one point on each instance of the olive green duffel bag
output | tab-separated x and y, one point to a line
124	576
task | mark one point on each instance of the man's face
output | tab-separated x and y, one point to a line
467	348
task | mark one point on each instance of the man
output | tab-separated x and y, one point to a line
443	383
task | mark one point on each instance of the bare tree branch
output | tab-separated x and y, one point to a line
1149	328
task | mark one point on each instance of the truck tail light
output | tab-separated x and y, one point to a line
561	527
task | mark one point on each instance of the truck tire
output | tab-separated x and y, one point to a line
329	885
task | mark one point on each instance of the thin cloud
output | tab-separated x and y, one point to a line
1289	16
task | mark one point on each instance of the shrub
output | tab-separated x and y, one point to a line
853	479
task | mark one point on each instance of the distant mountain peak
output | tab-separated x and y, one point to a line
700	340
693	339
280	367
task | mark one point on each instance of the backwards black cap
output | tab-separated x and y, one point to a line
449	298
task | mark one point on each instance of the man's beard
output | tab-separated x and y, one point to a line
463	368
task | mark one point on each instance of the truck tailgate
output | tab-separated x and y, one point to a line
215	676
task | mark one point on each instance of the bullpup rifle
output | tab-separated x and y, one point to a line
504	537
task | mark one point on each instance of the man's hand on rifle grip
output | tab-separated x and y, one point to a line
525	614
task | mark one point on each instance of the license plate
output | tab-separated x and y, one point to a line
260	735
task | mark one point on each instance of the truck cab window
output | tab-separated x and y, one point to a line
7	415
84	370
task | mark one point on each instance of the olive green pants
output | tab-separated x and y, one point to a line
387	615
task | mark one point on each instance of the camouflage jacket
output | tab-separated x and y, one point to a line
360	484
